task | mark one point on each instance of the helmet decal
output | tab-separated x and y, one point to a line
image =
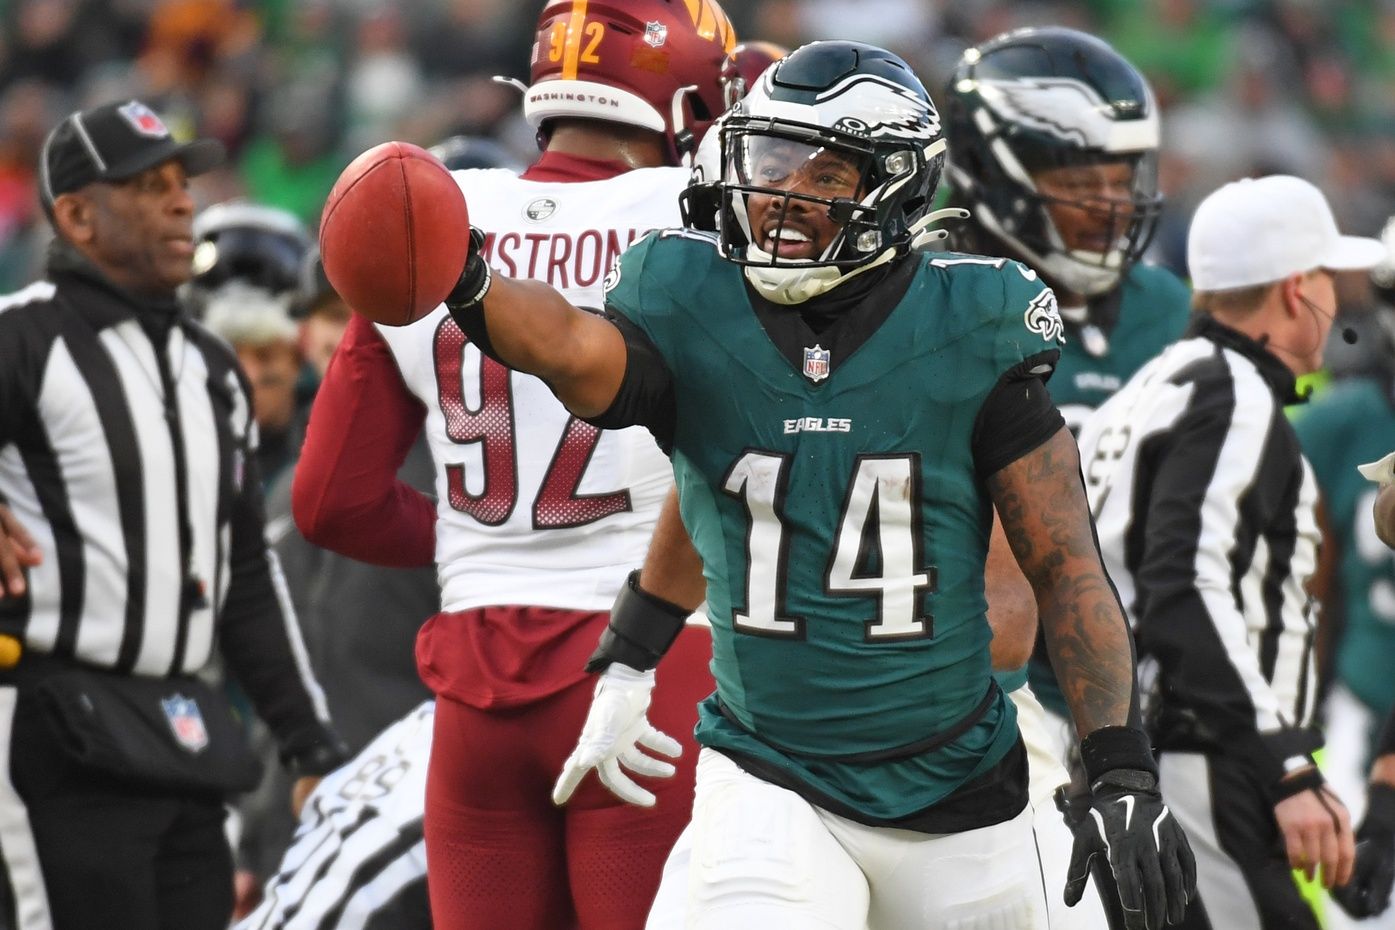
887	108
1071	110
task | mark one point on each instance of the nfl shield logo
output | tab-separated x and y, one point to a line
143	119
816	363
655	34
186	721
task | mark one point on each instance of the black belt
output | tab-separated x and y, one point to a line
919	747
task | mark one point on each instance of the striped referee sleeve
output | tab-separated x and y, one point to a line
1214	564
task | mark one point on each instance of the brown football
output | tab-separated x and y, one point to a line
394	234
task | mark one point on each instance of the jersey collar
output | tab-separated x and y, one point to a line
99	300
570	169
1275	373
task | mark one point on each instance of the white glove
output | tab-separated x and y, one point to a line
616	726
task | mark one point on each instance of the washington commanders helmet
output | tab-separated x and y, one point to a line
856	101
1042	98
656	64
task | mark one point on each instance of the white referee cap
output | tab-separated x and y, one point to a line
1262	230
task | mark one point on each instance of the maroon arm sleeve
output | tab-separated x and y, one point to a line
346	496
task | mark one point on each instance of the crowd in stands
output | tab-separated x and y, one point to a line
296	89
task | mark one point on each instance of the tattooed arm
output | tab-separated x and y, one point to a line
1041	501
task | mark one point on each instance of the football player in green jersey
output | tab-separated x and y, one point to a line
844	415
1054	143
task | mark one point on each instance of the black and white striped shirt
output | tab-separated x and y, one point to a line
126	449
1204	506
358	859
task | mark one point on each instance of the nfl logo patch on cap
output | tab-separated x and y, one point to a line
186	721
143	120
816	363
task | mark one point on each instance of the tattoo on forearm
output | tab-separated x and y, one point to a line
1041	501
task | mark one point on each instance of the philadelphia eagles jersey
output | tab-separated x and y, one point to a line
1351	422
1148	312
842	523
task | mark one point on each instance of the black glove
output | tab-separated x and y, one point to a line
1151	859
475	277
1368	892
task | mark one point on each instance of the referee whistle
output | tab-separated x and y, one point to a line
10	651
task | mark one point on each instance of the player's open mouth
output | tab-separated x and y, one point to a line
790	243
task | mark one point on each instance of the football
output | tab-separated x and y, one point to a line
394	233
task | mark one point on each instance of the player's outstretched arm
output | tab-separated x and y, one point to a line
1041	500
531	327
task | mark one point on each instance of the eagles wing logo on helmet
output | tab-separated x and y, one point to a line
1070	110
1043	318
879	117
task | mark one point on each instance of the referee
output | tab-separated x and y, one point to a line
131	547
1205	511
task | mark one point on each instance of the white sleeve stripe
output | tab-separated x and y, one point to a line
1236	470
297	644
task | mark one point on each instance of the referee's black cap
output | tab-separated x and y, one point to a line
113	142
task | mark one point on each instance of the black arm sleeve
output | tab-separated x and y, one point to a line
1017	416
259	638
646	395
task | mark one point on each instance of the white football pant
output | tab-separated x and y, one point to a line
757	856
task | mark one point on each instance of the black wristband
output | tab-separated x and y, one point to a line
1380	806
642	627
1110	748
475	277
317	760
465	302
1309	779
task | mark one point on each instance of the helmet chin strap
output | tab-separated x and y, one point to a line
686	148
787	286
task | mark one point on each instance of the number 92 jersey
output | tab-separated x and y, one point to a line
524	490
839	516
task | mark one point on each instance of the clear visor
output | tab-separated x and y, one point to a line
805	168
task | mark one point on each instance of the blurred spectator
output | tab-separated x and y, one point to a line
323	316
1180	45
295	88
384	80
259	327
27	109
294	163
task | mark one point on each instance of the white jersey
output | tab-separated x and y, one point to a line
359	852
535	507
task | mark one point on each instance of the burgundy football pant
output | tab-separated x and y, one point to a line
501	855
